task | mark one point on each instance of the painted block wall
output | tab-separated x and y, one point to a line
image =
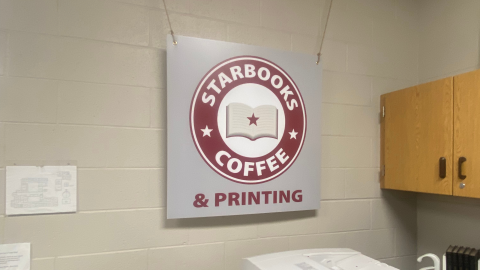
449	38
449	45
84	80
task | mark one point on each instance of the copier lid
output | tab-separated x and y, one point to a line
315	259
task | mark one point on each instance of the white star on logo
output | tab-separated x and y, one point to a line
206	131
293	134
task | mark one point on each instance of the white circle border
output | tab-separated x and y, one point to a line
192	123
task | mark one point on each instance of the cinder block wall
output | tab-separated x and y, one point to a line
85	80
449	38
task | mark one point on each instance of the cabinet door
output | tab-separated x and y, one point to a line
417	131
467	134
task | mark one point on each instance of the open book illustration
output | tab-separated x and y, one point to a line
252	123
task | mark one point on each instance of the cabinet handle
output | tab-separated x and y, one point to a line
461	160
443	167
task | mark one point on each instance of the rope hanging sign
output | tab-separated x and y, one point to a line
170	24
321	31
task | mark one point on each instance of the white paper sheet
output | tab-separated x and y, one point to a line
15	256
41	190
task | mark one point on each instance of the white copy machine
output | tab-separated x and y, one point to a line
315	259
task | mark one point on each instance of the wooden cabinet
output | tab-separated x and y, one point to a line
417	132
466	141
427	125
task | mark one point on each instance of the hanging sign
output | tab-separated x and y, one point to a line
243	129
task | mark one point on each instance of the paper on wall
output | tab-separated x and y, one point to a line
41	189
15	256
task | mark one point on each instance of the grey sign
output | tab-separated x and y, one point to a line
243	132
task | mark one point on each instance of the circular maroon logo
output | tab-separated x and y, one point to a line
248	120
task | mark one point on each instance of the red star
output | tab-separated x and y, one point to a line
253	119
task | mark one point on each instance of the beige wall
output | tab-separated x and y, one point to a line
449	45
449	39
84	80
444	221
